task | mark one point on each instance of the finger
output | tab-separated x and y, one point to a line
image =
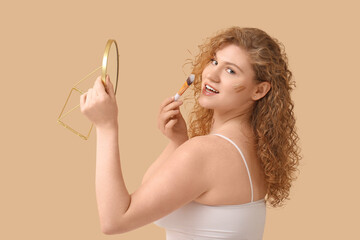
109	87
171	124
164	118
82	100
89	96
94	92
169	114
173	105
166	102
99	87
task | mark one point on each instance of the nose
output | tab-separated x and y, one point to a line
213	74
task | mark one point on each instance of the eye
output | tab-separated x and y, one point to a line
230	71
214	62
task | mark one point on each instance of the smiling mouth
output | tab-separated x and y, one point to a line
210	89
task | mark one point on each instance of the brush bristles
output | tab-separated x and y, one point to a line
190	79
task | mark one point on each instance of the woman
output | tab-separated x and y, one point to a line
212	181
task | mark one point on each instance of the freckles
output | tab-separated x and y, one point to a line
239	87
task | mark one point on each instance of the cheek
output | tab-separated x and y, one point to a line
238	87
203	74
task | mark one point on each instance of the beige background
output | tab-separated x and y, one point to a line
47	173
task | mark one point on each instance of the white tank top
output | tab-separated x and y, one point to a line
204	222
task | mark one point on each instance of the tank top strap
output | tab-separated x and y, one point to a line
242	155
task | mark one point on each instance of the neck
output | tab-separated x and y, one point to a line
227	122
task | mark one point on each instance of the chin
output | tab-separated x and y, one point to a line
205	104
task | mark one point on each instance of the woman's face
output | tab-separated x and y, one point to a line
231	75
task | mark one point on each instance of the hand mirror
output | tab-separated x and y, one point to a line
70	116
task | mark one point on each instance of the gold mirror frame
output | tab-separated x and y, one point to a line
110	43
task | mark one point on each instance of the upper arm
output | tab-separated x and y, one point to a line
181	179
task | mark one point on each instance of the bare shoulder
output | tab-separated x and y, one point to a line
200	145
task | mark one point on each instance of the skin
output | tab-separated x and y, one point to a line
188	169
237	88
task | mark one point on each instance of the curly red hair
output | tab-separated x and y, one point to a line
272	119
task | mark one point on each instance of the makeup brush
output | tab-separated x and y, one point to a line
185	86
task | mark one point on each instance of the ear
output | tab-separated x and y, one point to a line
261	90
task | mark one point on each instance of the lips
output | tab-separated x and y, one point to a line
210	88
207	92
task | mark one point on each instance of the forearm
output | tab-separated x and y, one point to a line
113	199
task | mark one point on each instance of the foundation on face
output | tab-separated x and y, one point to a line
239	87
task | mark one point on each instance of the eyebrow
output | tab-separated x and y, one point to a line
229	63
